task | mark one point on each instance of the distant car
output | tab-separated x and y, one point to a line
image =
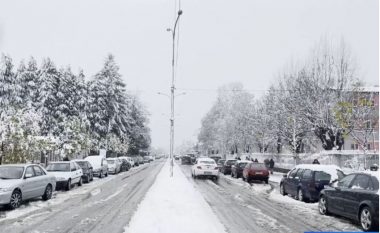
255	171
125	165
146	159
306	181
216	158
205	167
220	163
176	157
114	165
99	165
67	173
186	160
88	174
130	161
226	168
20	182
355	196
238	167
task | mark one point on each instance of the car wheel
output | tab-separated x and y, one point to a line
300	196
16	199
322	206
366	219
101	174
68	187
266	181
80	182
282	189
48	193
243	178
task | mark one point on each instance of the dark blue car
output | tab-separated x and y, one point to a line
306	181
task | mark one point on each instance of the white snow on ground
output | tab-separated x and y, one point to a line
60	197
172	204
276	177
257	187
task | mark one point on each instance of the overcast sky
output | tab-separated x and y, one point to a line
221	41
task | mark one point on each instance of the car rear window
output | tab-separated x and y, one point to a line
307	174
319	175
231	162
206	162
258	165
242	164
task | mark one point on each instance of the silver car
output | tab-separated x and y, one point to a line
20	182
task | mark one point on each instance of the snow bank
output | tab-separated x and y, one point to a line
173	205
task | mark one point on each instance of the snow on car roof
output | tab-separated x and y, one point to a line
329	169
205	159
372	173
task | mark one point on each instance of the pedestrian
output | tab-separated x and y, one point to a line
266	163
271	165
256	161
316	161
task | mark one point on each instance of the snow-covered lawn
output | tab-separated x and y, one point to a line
173	204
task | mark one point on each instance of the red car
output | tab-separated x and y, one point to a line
256	171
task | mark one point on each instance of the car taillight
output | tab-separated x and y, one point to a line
199	167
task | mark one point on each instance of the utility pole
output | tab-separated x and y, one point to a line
172	90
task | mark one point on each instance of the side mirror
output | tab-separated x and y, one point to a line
27	176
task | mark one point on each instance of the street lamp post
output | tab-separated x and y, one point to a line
172	90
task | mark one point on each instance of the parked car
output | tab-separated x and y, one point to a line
146	159
255	171
216	158
130	161
99	165
220	163
176	157
125	165
306	181
114	165
88	174
185	159
238	167
136	161
205	167
226	168
20	182
67	173
355	196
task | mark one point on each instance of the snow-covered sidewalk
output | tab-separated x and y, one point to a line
174	205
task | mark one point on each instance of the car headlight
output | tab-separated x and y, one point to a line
3	190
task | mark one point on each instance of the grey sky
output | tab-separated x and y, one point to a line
246	41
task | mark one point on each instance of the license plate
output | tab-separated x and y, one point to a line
208	173
259	173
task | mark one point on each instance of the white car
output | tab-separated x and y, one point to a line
114	165
67	173
99	165
19	182
205	167
129	159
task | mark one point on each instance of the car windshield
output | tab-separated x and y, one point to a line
258	166
110	161
231	162
58	167
10	172
206	162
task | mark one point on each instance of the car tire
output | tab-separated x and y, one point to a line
68	186
300	195
366	219
243	178
101	174
80	182
323	206
16	199
106	174
48	193
266	181
282	189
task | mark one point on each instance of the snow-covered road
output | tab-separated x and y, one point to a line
105	205
260	208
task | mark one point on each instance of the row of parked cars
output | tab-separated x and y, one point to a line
19	182
354	196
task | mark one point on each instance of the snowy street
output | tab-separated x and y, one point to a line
105	205
261	208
